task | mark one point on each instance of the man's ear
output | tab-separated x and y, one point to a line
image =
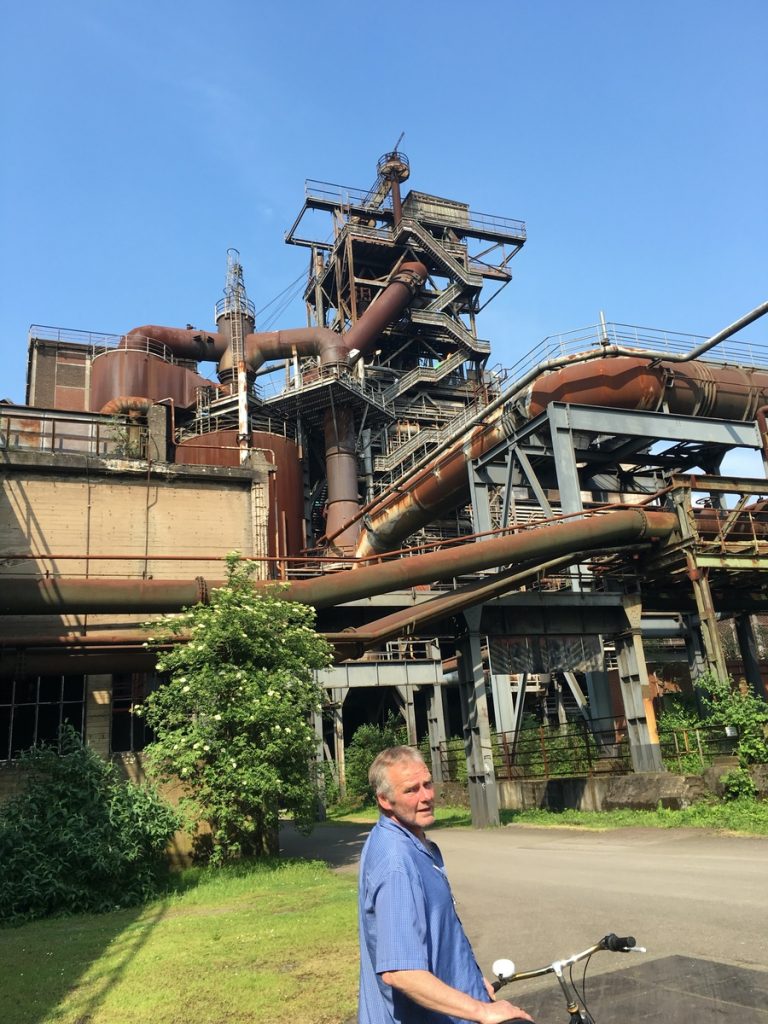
384	804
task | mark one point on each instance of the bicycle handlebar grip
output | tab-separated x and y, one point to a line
619	943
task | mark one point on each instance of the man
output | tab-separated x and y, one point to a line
416	963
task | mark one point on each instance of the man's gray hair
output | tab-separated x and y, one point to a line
378	773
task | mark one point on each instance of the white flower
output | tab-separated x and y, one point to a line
185	689
217	718
287	729
234	764
277	728
206	747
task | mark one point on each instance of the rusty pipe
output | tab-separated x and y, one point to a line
341	471
611	529
407	621
186	343
331	347
388	307
130	405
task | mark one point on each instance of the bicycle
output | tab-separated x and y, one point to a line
505	972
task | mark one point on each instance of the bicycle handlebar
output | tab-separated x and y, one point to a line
615	944
612	943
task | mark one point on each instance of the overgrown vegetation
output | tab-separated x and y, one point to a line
738	707
78	838
232	722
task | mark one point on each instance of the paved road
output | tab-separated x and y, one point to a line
533	894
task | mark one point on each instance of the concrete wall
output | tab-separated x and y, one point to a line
131	519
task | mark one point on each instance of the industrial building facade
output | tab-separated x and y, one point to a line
470	537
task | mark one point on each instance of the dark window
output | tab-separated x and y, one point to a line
129	733
33	709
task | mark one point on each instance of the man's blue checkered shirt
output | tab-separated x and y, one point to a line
408	922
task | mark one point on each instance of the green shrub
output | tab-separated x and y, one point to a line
728	706
78	838
737	784
367	742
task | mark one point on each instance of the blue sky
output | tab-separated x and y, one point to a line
143	139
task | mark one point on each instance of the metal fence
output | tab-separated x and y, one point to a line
691	750
544	751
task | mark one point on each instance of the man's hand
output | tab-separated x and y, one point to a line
501	1010
516	1011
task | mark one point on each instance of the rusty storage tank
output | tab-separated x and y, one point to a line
286	488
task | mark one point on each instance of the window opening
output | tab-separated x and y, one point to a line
33	709
129	733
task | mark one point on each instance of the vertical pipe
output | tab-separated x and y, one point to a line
341	468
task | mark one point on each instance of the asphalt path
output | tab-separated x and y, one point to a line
538	894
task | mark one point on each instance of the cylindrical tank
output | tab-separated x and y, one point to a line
285	534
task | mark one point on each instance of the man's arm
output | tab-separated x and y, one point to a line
428	991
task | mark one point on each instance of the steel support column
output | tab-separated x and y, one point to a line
479	489
599	692
436	729
405	693
748	648
633	675
481	777
337	696
563	449
710	634
317	723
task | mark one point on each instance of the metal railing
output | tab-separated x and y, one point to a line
94	339
693	749
596	336
25	429
344	195
544	751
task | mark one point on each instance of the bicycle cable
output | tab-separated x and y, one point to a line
583	993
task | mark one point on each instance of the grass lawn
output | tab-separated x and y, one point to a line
269	944
747	817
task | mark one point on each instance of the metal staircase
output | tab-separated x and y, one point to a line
424	374
447	325
412	229
446	297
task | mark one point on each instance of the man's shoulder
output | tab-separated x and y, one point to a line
388	847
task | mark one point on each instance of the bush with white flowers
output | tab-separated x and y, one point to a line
233	720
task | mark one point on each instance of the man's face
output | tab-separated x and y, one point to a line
412	800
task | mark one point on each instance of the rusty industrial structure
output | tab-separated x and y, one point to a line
470	536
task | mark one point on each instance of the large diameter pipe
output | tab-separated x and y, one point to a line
612	529
387	308
186	343
623	527
341	471
331	347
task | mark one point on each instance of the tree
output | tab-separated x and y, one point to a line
232	722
